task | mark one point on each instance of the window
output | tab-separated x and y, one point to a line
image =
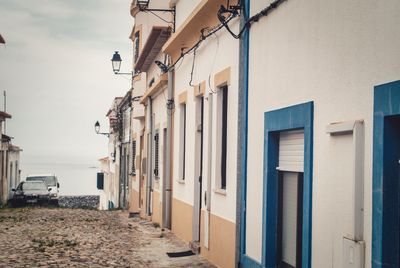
11	182
222	135
100	181
182	147
134	158
156	154
136	43
6	173
16	178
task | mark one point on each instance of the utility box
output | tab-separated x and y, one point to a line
100	180
353	253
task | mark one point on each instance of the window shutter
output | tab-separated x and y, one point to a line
291	151
156	154
134	157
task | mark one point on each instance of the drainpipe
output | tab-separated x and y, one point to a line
168	186
241	179
150	157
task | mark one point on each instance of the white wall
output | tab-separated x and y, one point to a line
332	53
105	193
183	9
148	20
214	55
137	126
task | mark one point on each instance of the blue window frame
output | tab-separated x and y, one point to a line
294	117
385	184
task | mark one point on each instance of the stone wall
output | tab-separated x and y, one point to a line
79	201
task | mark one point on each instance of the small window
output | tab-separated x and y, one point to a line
156	154
222	135
182	138
100	181
11	182
134	157
136	43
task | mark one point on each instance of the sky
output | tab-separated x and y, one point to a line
56	70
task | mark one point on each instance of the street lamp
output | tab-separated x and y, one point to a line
116	64
97	129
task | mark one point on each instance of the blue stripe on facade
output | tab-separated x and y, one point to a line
294	117
385	202
244	110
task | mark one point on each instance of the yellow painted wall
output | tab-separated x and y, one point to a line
143	197
182	215
157	209
134	202
222	234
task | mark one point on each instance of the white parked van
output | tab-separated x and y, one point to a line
52	185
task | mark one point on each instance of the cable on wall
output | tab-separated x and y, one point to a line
204	34
233	12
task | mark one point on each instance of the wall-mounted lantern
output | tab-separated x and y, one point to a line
97	129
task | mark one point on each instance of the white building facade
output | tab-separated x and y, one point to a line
205	131
320	175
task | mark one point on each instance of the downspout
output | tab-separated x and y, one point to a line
241	179
150	158
168	186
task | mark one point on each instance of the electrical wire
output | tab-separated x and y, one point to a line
180	64
161	18
191	72
251	20
203	36
212	66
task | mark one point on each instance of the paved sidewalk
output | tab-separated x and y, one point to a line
57	237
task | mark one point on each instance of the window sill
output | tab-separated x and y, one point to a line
220	191
181	181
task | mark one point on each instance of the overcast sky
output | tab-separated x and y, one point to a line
57	72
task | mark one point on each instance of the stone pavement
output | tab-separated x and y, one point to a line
60	237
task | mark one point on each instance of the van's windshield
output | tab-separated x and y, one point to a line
49	180
34	186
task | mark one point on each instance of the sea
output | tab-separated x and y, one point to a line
74	178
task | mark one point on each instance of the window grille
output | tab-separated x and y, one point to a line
156	154
134	158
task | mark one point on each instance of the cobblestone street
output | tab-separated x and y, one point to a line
59	237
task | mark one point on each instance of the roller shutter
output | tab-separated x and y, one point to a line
291	151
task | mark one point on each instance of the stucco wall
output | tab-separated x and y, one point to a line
332	53
183	9
214	55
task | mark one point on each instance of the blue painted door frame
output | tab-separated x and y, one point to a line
385	184
294	117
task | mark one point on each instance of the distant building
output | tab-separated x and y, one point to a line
109	166
9	163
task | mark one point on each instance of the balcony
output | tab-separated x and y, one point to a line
154	43
204	15
158	85
138	111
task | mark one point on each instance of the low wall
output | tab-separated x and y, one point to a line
79	201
